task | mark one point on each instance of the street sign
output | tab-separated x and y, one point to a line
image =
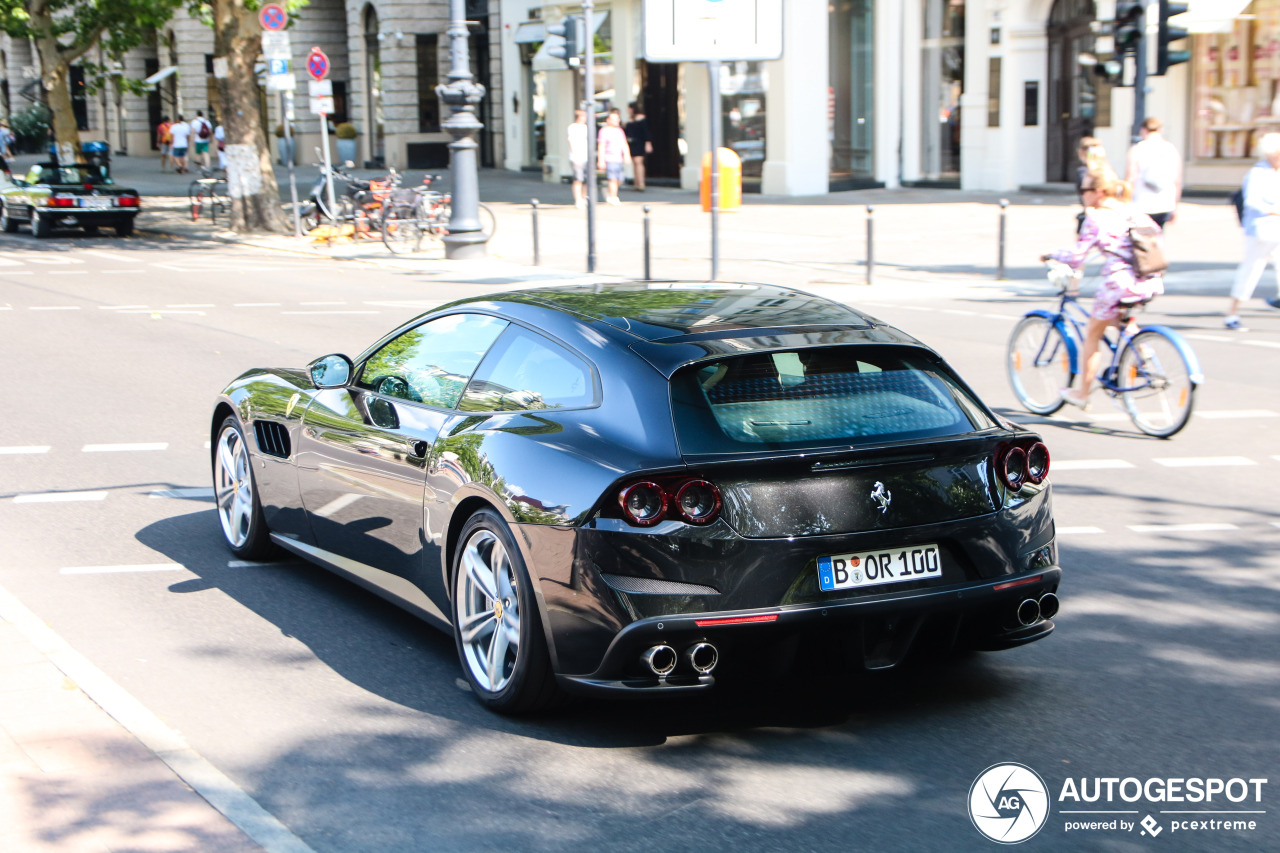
706	30
320	88
317	64
273	17
277	66
322	106
281	83
276	45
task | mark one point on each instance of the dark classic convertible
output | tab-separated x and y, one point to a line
613	489
52	196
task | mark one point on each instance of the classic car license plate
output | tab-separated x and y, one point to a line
95	203
849	571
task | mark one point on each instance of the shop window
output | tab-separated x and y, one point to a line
851	92
1236	81
742	97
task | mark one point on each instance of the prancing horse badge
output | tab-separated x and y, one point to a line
881	497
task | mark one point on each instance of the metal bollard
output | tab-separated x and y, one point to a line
871	256
1004	204
537	255
647	276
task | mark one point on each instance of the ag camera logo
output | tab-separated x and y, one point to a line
1008	803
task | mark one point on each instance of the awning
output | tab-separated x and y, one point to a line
1210	16
530	32
167	71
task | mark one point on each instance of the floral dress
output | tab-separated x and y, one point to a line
1106	230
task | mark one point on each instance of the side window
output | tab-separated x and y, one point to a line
525	371
431	363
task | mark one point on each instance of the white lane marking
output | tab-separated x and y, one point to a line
337	504
55	262
110	256
193	305
1078	531
249	564
69	272
1275	524
203	492
6	307
119	307
117	448
54	308
1215	338
340	302
169	746
58	497
1240	413
1203	461
118	272
959	313
1203	527
1254	342
1000	317
1088	464
23	449
405	303
16	272
330	312
123	570
158	311
256	305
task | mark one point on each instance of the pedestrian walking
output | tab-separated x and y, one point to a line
6	140
201	134
1106	231
164	141
180	134
1154	170
639	142
578	156
220	138
1261	221
613	154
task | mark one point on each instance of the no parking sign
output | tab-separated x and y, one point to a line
273	17
317	64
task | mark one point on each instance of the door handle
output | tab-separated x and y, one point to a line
420	448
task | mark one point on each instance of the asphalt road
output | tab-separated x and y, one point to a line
345	718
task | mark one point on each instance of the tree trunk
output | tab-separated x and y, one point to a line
55	73
251	182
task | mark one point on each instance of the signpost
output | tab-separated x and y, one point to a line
322	105
712	31
278	53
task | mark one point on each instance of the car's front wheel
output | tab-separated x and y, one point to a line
7	223
41	225
236	494
496	622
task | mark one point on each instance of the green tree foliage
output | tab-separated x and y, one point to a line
64	30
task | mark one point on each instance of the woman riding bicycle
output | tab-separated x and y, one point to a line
1106	226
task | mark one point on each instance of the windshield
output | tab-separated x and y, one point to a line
73	174
819	397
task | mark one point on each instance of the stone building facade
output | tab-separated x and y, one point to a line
386	58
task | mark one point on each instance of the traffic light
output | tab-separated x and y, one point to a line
570	35
1127	29
1164	56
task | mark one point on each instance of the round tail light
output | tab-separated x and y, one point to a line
698	502
1037	462
1011	466
643	503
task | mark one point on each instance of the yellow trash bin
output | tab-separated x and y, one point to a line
730	180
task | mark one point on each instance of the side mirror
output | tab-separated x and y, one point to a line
332	371
349	164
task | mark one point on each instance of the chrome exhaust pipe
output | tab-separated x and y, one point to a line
702	657
1029	612
660	659
1048	605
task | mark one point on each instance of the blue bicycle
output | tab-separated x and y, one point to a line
1153	371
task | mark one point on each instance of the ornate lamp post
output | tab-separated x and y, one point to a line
462	94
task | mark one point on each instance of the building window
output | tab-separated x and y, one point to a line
851	90
428	79
341	111
942	53
1236	84
79	98
742	97
993	92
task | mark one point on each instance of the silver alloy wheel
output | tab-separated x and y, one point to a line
233	486
488	611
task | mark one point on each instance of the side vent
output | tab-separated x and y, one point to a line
273	438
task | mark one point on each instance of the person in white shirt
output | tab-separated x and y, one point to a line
181	134
1155	172
220	139
201	134
578	156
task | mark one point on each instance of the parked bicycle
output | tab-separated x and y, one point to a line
1153	373
360	203
209	190
421	212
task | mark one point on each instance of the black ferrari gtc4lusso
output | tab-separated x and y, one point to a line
617	488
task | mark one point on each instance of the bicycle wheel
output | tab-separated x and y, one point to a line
1155	384
1039	365
401	231
488	222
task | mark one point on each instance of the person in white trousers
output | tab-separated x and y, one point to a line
1261	221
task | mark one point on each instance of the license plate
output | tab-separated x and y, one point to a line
95	203
872	568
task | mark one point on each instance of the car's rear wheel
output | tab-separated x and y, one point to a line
91	230
236	494
41	225
124	227
7	223
496	622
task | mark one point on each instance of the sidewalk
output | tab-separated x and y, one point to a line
84	767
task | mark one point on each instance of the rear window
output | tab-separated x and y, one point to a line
819	397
